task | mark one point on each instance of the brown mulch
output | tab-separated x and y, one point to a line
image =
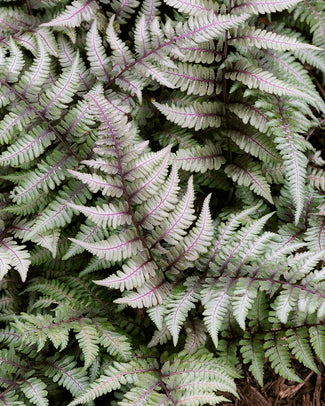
277	391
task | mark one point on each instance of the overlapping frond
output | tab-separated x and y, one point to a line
161	192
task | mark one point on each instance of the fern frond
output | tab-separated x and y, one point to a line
317	336
258	38
152	293
157	209
204	52
312	13
253	353
227	249
193	79
99	62
65	372
116	343
300	348
124	9
108	186
242	301
88	340
195	8
67	54
294	159
250	114
195	335
46	176
216	302
34	78
57	213
257	78
27	147
173	228
112	114
202	28
276	349
15	256
315	234
258	7
254	143
122	56
58	97
200	159
179	303
247	173
135	272
115	375
195	243
74	14
197	115
150	9
15	121
107	215
47	240
14	63
114	248
316	178
35	390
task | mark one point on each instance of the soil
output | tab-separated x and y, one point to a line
278	391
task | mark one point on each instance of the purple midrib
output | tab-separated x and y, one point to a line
147	293
98	56
259	145
57	96
264	80
115	246
255	181
63	207
167	232
293	152
26	146
184	36
197	79
184	299
191	246
265	39
181	113
320	235
193	158
44	177
161	201
14	121
14	253
77	12
39	67
130	274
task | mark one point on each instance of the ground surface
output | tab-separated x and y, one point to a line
278	391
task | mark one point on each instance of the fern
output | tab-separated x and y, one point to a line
162	198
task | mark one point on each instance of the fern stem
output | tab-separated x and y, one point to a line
127	67
29	7
4	232
313	130
59	136
224	87
292	285
96	298
6	391
127	197
164	387
71	319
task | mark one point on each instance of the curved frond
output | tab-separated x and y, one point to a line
196	115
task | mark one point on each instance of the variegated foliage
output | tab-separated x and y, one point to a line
161	198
